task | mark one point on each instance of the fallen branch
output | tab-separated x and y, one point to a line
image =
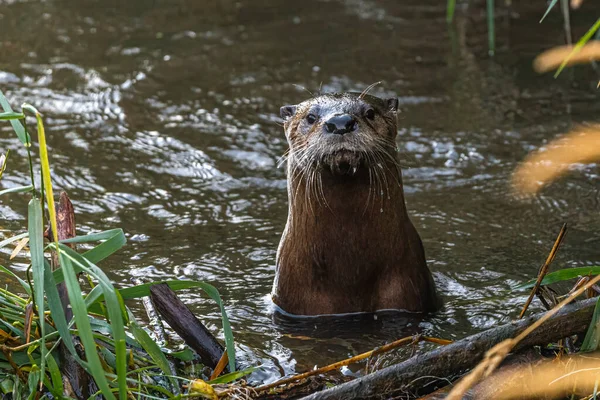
453	360
184	322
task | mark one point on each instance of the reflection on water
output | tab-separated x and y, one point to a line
163	119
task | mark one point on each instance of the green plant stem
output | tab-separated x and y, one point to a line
491	28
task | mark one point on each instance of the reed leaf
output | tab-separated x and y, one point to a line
83	326
562	275
36	245
18	189
13	239
24	284
550	6
233	376
10	115
491	27
591	342
17	126
150	346
115	307
450	8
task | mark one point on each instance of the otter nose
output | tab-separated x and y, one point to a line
340	124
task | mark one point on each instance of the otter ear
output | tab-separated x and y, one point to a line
392	104
287	111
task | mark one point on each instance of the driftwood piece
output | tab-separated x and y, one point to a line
76	380
184	322
450	361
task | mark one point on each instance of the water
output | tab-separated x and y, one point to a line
163	120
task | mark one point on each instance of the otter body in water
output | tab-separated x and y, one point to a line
348	245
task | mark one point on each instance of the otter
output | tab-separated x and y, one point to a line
348	245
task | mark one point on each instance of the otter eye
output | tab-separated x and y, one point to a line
370	114
311	118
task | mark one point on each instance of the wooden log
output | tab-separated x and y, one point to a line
450	361
184	322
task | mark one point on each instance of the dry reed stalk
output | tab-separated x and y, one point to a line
556	378
496	354
544	268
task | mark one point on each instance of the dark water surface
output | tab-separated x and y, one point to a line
163	120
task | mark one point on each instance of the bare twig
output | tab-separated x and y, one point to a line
352	360
544	268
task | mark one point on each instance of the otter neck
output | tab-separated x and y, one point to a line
364	193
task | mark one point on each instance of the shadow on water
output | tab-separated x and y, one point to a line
163	120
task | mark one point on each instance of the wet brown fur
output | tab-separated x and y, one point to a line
349	244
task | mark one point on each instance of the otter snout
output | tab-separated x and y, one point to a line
340	124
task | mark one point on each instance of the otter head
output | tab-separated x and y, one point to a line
341	133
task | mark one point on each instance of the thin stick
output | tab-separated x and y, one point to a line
352	360
544	268
496	354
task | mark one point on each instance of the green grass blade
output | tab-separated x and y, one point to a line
94	237
10	115
491	27
36	246
149	346
58	314
115	307
562	275
592	336
13	239
93	296
17	126
584	39
106	248
32	382
55	375
25	285
83	326
550	7
116	240
450	7
18	189
233	376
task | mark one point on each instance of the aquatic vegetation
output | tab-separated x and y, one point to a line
103	337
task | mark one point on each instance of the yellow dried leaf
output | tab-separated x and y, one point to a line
202	389
582	145
20	245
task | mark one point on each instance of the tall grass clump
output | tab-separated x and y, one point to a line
103	336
